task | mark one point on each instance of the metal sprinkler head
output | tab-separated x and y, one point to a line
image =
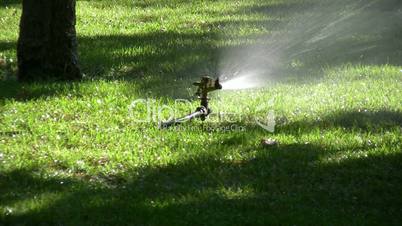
205	86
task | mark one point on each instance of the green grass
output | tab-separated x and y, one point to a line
71	153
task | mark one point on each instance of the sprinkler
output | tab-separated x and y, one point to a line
204	86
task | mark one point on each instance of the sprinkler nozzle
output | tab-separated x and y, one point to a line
207	85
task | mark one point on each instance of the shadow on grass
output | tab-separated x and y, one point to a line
8	3
287	184
13	90
4	46
162	54
373	122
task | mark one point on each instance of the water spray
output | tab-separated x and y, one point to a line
204	86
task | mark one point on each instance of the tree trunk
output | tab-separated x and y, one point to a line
47	44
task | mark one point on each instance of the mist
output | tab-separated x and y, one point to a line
316	35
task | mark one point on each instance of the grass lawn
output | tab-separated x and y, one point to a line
71	153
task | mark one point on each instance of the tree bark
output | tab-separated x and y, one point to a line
47	44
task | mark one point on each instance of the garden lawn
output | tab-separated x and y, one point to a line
73	153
